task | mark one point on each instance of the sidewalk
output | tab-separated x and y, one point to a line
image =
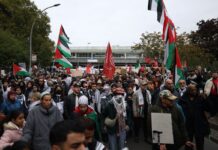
214	129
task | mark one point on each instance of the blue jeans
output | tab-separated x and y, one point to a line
115	140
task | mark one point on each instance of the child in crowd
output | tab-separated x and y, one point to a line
12	129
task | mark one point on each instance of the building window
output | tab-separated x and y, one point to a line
131	55
97	55
84	55
118	55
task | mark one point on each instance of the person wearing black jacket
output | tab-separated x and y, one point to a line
71	102
194	108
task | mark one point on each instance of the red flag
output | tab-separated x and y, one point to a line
88	68
68	70
129	68
16	68
57	65
109	66
147	60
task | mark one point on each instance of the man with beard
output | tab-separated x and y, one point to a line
94	94
182	87
67	135
194	108
91	141
43	86
141	101
71	102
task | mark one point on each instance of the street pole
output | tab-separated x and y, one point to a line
31	34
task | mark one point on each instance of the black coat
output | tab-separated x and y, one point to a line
194	111
69	106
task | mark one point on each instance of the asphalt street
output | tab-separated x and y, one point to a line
209	145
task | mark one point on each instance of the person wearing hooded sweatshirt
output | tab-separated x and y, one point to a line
39	122
12	129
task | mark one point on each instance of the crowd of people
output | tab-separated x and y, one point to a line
55	111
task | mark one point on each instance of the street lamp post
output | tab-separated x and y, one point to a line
31	34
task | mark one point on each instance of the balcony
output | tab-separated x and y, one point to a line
100	60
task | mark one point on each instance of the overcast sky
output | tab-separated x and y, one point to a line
120	21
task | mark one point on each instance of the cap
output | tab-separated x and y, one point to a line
83	100
76	84
168	95
106	86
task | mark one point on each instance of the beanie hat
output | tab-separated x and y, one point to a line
83	100
43	94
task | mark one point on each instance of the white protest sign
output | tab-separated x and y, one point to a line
162	123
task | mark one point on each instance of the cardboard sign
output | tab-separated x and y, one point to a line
77	73
118	71
162	123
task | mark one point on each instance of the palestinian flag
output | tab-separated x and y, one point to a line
62	60
17	70
158	5
137	67
64	48
63	36
168	28
178	69
169	51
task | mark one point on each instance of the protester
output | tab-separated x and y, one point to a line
43	85
129	108
5	88
170	86
94	94
12	129
58	97
141	102
211	91
91	141
29	88
71	102
182	87
67	135
167	105
115	120
39	122
194	107
11	104
34	99
84	110
22	99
